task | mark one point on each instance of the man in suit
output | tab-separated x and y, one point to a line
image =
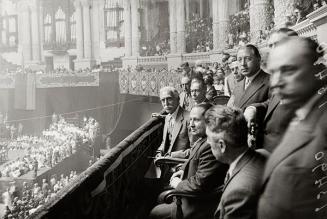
201	174
227	135
232	79
185	96
208	80
198	91
294	180
277	116
254	88
175	132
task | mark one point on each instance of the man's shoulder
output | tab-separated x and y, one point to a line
184	112
264	74
252	170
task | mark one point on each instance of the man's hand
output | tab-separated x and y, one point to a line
178	154
174	182
177	174
157	115
176	178
250	114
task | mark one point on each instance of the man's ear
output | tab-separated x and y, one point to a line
222	145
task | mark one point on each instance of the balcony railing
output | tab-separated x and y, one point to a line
59	47
113	187
190	57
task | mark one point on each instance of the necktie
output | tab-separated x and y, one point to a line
247	83
170	126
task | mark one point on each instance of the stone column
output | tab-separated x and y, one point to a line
95	15
283	9
259	18
172	26
87	29
201	8
36	49
187	10
135	28
223	23
26	31
180	12
79	30
215	24
128	28
41	22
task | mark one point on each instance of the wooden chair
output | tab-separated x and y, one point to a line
212	198
220	100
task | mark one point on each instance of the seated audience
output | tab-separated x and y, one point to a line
201	174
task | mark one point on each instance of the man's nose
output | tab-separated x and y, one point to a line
276	80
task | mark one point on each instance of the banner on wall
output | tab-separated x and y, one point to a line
68	80
147	83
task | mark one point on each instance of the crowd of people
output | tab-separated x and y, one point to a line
196	40
302	8
59	70
33	196
275	171
60	141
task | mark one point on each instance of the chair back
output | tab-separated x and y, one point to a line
220	100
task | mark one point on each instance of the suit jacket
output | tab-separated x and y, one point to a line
276	119
202	174
294	173
256	92
241	192
211	93
180	139
230	83
182	98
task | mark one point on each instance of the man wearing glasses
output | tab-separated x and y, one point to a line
185	95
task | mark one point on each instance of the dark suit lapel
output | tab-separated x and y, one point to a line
194	150
241	163
164	137
272	105
295	138
182	99
255	85
196	147
238	90
177	127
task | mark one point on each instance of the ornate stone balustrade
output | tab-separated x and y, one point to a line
192	57
113	187
315	25
152	60
305	28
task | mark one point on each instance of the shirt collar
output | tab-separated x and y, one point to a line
304	111
234	163
251	78
174	115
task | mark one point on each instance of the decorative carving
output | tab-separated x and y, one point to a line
223	27
260	18
283	11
